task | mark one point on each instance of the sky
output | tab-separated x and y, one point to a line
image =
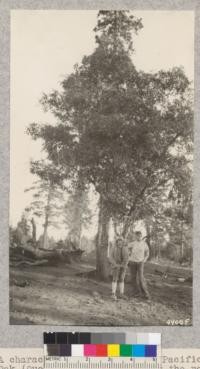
46	44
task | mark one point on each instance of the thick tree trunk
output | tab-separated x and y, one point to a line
102	262
116	231
128	225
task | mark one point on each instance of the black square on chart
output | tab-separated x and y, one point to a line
49	337
73	338
85	338
61	337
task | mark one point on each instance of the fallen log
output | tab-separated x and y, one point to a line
32	263
30	255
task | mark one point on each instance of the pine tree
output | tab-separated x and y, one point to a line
47	202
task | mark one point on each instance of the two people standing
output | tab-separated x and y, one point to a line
137	252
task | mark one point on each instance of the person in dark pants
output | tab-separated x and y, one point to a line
139	254
119	257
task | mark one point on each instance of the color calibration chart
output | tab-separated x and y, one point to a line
84	350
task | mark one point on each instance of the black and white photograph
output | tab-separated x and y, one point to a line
101	167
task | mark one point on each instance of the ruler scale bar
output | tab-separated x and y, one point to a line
103	364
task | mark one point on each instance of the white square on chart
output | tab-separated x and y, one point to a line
154	338
77	350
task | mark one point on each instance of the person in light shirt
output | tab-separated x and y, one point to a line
139	253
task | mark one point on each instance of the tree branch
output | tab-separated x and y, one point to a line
151	172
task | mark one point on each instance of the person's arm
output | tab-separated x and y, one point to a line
129	248
125	258
146	253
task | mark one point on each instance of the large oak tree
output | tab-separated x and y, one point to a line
118	128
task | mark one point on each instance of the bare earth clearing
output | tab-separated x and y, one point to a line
64	295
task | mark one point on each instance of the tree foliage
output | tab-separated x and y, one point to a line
125	131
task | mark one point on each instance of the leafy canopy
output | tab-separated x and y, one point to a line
122	130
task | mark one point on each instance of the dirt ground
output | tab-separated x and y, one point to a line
64	295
